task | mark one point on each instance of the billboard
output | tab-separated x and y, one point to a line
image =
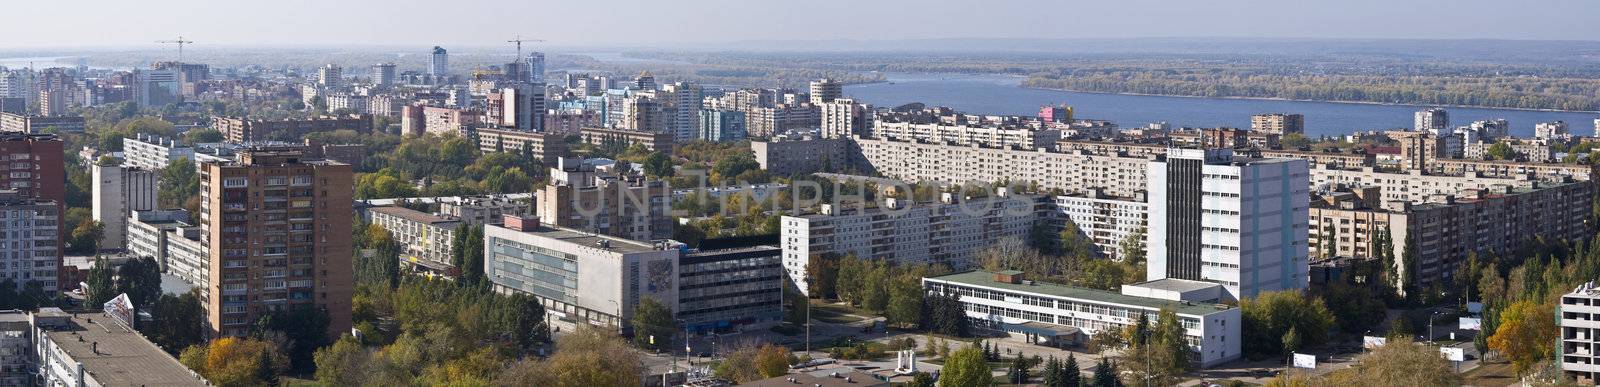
1372	342
121	308
1453	354
1305	361
1470	323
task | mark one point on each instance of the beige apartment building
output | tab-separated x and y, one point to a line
581	198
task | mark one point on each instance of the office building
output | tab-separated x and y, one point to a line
825	90
330	76
157	88
383	74
535	61
439	63
729	286
950	232
240	129
427	238
523	107
38	178
32	233
10	122
1105	220
579	276
276	227
1060	315
1235	221
1435	120
481	210
1580	333
1278	123
83	348
721	125
844	118
117	191
626	206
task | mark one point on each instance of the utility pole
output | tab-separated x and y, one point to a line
180	42
518	40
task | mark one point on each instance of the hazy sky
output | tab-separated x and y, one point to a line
137	23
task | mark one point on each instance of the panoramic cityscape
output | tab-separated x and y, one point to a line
709	193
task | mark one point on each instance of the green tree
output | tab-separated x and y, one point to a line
1525	333
1105	374
1071	375
587	357
1074	243
231	361
905	301
1500	151
966	367
658	165
303	329
140	279
85	238
1272	315
179	182
1131	249
772	361
102	282
653	326
179	321
921	379
9	297
343	363
1018	373
198	136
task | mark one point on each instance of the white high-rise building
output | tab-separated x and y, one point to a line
825	90
1580	333
1236	221
685	102
440	64
524	106
1434	120
116	192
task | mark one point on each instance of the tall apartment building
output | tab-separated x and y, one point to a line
1580	333
522	107
239	129
1105	220
720	126
825	90
644	114
32	234
1278	123
38	177
383	74
1435	120
1235	221
543	146
774	120
277	228
117	191
577	275
417	120
683	101
330	76
155	153
581	198
1551	131
439	63
428	238
843	118
950	232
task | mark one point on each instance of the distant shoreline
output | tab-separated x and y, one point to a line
1019	84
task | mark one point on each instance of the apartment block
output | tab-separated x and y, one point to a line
946	126
82	348
487	209
951	231
1105	220
428	238
843	118
1069	171
1060	315
543	146
626	206
1235	221
277	229
1278	123
783	156
32	232
1580	333
37	176
605	137
239	129
10	122
154	153
116	191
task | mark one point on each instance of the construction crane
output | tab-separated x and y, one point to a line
519	41
180	42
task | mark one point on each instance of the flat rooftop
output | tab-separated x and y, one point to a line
589	239
124	358
1176	285
986	279
414	215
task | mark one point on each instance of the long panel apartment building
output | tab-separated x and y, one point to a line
428	238
242	129
951	231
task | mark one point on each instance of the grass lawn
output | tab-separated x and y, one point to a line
1490	374
833	314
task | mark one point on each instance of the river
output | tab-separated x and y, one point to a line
1000	94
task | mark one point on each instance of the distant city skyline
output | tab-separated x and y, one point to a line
637	22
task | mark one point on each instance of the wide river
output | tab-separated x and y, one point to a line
1000	94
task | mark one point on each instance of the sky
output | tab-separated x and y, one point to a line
139	23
